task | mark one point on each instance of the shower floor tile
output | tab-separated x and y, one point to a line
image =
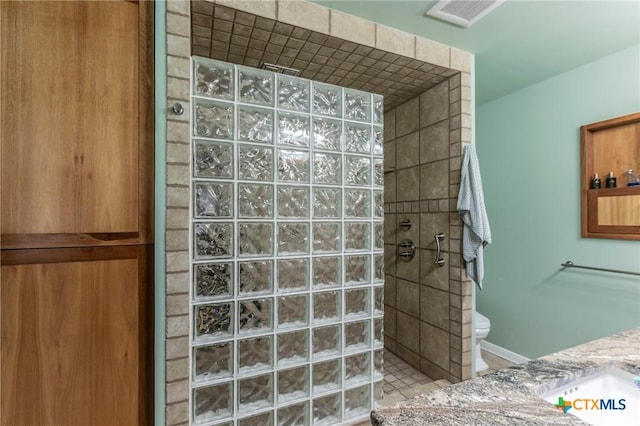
402	381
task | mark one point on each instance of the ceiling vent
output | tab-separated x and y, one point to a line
463	13
279	69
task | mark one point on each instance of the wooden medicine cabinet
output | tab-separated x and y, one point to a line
611	146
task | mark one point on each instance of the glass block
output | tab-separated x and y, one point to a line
378	172
293	129
255	86
213	361
327	410
326	237
357	368
378	299
378	391
294	415
357	170
326	341
356	269
293	166
255	354
213	320
356	335
357	402
357	105
292	311
326	306
213	79
357	138
293	274
255	163
255	200
378	332
378	364
293	347
378	204
293	238
378	140
327	134
213	402
255	124
356	302
255	239
213	119
357	236
293	201
293	93
326	376
378	268
213	280
327	168
263	419
378	236
327	100
255	277
213	240
212	200
254	315
378	109
327	202
213	159
326	272
357	203
255	392
293	384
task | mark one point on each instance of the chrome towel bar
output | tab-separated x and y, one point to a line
570	264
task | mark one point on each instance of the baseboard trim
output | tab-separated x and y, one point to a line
503	353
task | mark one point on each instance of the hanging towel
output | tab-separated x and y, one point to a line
476	232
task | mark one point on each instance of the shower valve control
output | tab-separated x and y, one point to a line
406	250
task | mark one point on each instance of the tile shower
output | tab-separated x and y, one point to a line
287	248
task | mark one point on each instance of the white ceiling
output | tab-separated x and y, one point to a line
522	41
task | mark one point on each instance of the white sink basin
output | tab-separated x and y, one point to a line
607	397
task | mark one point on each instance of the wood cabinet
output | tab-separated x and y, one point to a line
611	146
76	209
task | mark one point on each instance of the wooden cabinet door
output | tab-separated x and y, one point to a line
76	208
74	340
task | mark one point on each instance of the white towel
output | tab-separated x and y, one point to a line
476	232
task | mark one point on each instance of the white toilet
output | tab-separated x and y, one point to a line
482	326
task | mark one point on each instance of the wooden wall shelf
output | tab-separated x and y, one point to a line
610	146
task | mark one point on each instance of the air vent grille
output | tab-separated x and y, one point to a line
463	13
279	69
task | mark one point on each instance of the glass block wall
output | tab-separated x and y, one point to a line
287	249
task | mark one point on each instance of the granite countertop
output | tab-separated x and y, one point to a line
509	396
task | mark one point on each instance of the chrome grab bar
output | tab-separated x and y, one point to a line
570	264
439	260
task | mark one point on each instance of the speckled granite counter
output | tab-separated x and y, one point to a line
509	396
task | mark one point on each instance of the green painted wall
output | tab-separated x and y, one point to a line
529	149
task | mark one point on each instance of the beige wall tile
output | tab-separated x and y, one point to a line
431	224
410	357
177	67
434	307
434	345
178	6
265	8
407	184
177	218
178	391
390	125
408	150
178	45
431	274
353	28
433	52
177	413
178	24
412	233
409	334
409	270
460	60
178	196
389	155
178	132
390	322
390	259
432	370
178	174
393	40
434	142
390	187
178	89
178	304
390	228
390	291
177	347
177	261
434	105
177	369
178	282
407	117
177	240
408	297
434	180
304	14
178	153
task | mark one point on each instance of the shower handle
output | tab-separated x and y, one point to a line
439	260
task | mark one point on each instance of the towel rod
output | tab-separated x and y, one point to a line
570	264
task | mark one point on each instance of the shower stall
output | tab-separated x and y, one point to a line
287	248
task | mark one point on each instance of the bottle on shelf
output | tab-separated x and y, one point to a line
632	178
610	181
595	182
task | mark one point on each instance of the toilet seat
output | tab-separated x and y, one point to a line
481	322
